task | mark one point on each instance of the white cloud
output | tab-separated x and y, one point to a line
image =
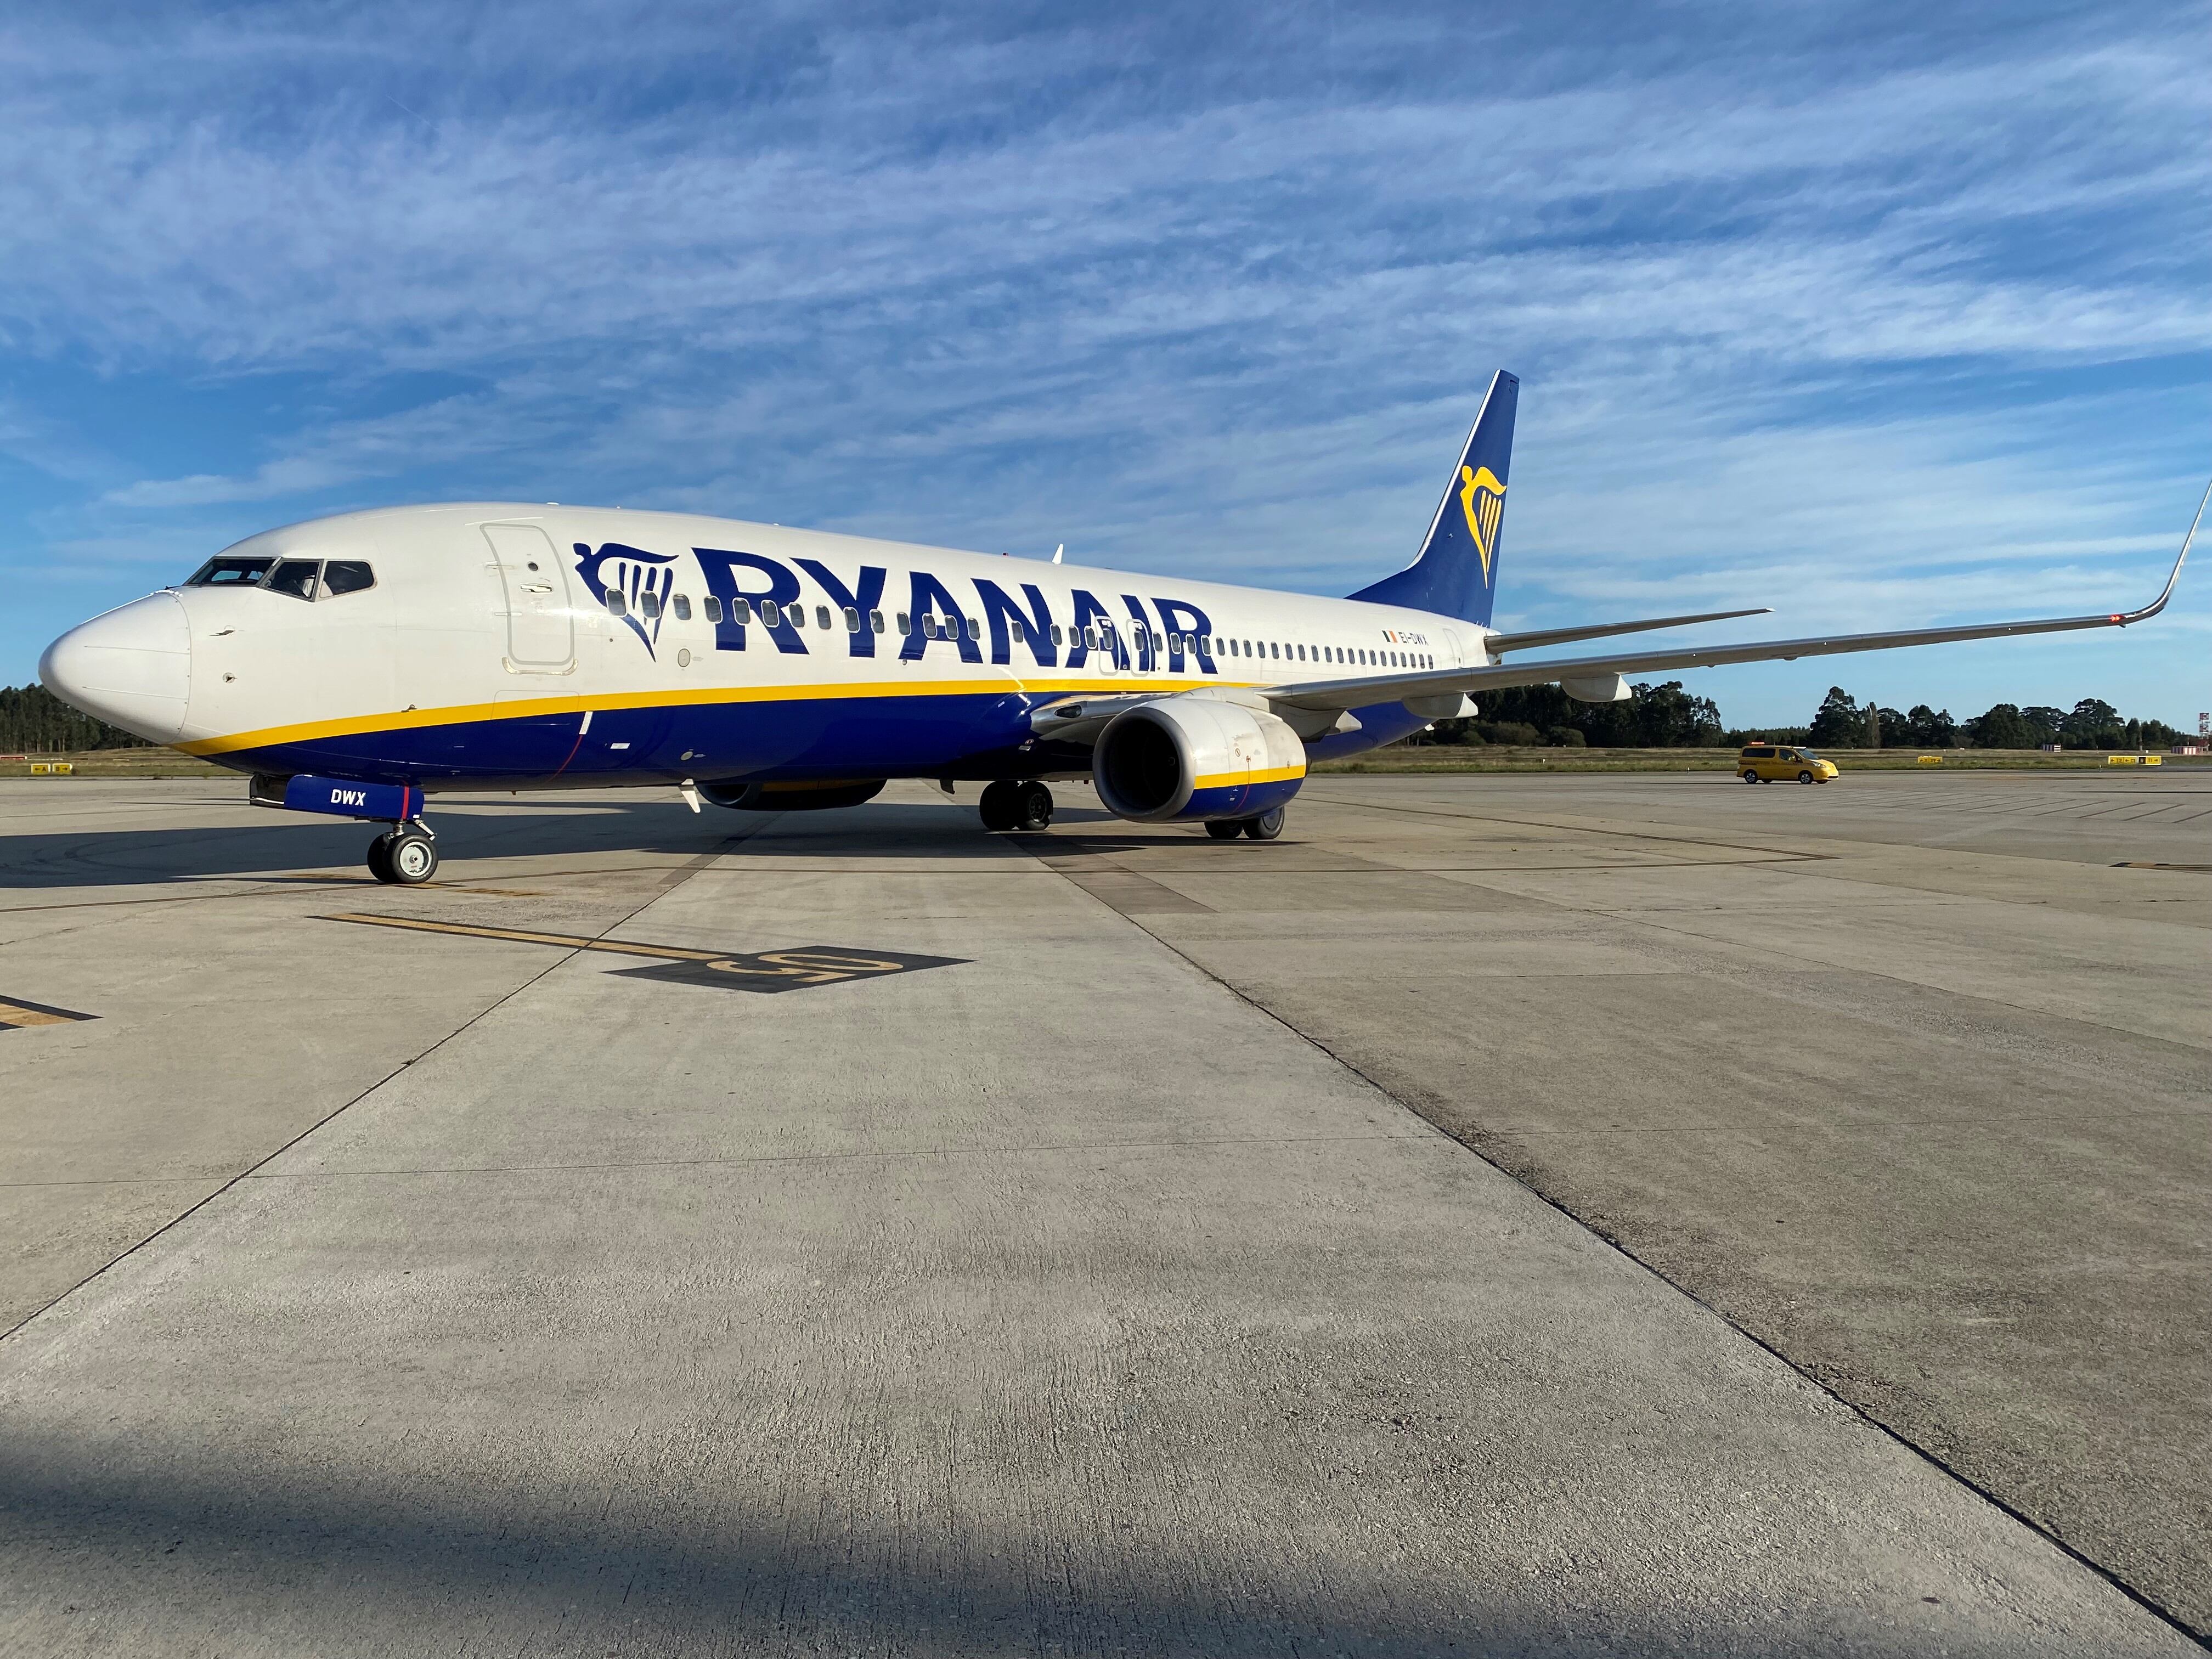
1798	318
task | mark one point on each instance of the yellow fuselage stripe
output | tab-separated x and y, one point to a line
526	708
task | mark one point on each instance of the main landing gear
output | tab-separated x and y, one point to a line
1266	827
405	855
1015	804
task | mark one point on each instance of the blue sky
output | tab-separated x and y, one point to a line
1881	315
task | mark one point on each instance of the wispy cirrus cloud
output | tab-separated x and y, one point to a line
1896	315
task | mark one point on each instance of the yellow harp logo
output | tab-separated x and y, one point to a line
1482	498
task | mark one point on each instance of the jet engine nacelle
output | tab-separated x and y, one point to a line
1196	758
792	797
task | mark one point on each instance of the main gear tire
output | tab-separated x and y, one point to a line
1032	806
1266	826
1224	828
999	809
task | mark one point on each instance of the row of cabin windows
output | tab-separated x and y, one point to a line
772	615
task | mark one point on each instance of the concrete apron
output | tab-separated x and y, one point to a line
1057	1299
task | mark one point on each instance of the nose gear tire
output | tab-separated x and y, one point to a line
413	857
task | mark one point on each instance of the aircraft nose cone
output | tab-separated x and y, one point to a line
132	667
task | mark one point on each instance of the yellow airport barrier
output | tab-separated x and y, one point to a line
1931	760
52	769
2134	760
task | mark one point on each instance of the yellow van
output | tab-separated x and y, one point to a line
1767	762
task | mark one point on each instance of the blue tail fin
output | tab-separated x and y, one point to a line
1456	573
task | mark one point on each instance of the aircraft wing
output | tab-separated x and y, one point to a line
1538	639
1322	696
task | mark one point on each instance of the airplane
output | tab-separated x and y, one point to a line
357	664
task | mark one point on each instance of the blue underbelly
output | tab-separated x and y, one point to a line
802	738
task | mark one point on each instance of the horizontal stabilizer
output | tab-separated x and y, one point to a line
1499	644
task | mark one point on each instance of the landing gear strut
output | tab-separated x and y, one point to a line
1015	804
404	855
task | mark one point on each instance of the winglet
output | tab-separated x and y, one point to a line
2158	604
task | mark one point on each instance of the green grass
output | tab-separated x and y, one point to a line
122	763
1438	758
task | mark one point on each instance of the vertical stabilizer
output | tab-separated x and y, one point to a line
1456	573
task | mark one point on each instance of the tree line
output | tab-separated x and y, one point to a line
1654	717
34	721
1843	722
1665	716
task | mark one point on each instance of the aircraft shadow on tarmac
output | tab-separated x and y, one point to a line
288	846
138	1548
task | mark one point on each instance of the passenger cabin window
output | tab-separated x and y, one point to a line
682	608
617	605
648	605
875	621
741	611
712	605
852	620
905	624
822	617
230	573
770	615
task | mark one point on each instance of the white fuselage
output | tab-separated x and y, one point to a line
487	647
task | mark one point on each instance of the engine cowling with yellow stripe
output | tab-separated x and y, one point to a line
1196	758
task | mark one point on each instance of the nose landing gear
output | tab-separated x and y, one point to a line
405	855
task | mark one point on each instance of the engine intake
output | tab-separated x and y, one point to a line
1196	758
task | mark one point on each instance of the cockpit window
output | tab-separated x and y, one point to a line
297	577
230	572
293	576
